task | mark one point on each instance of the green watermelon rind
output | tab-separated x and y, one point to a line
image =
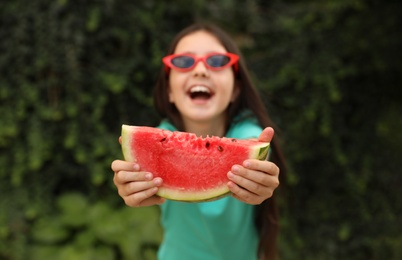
259	151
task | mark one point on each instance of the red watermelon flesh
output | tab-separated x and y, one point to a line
192	168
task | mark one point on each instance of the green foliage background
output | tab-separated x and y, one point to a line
73	71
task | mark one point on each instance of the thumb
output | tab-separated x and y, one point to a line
266	135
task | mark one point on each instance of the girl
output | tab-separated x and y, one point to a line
204	88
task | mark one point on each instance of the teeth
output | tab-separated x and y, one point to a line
199	89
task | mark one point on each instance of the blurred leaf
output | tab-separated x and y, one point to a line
74	209
93	19
49	230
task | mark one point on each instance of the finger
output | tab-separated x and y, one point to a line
262	172
120	139
266	167
138	186
145	198
154	200
244	195
266	135
262	181
122	177
119	165
264	190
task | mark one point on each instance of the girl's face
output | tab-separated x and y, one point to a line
201	95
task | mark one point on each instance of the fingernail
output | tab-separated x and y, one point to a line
148	176
235	168
247	164
158	181
136	167
230	175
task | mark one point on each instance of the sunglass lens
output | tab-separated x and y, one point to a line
183	62
218	61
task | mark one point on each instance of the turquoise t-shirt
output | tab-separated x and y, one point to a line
216	230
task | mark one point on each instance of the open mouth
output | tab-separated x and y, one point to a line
200	93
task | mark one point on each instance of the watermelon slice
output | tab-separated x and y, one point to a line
192	168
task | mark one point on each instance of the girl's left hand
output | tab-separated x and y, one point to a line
255	180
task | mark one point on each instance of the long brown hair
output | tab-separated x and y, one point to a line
266	214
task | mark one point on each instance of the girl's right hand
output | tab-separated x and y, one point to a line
137	188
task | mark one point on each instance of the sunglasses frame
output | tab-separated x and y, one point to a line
234	58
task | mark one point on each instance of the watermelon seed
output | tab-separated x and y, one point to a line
220	149
207	145
234	140
163	139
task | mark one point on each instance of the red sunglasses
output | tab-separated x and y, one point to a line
213	61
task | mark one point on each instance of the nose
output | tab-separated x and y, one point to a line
200	69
